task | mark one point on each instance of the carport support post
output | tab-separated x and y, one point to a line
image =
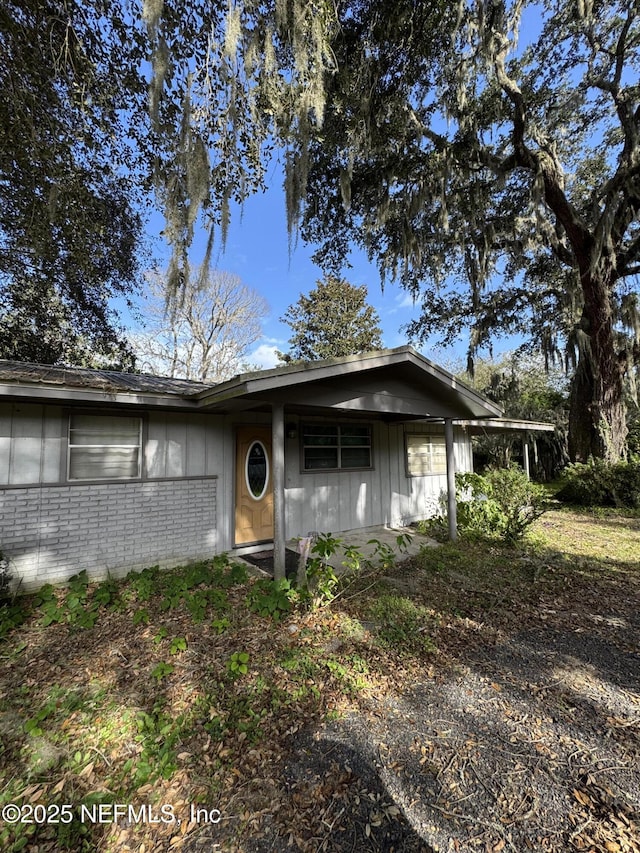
279	544
525	456
452	509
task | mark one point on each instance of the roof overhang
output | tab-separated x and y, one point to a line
502	425
78	386
397	384
68	396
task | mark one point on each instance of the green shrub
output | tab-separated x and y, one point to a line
323	584
503	503
633	439
600	483
435	528
321	579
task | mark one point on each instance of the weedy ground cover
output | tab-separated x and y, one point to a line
204	686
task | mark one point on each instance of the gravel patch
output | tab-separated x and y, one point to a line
531	744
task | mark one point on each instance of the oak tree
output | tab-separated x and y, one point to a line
486	154
70	227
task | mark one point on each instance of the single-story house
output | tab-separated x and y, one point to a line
108	471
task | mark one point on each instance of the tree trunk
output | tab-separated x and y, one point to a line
597	413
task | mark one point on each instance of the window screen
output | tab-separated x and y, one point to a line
426	454
104	447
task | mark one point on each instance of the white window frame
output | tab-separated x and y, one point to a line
97	416
426	443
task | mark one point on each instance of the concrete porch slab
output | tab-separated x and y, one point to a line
386	536
360	539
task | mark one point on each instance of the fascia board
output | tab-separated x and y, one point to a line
69	396
507	424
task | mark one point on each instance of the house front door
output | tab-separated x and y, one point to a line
254	485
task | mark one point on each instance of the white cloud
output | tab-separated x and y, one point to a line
405	300
264	356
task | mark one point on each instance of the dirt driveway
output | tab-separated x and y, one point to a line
530	745
514	740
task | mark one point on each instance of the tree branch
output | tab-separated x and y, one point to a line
542	162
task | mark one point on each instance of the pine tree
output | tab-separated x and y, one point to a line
333	321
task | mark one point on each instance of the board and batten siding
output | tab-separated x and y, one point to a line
51	528
33	444
335	501
183	505
415	498
180	445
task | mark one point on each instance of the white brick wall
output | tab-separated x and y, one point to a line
52	532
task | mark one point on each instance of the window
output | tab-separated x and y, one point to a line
332	447
256	470
426	454
104	447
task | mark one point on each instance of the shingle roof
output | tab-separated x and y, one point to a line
103	380
399	383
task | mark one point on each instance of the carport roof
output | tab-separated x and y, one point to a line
497	425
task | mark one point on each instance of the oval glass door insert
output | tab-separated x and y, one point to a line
256	470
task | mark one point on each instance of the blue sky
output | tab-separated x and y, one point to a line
257	251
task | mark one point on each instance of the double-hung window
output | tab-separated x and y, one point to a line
426	454
104	447
334	447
